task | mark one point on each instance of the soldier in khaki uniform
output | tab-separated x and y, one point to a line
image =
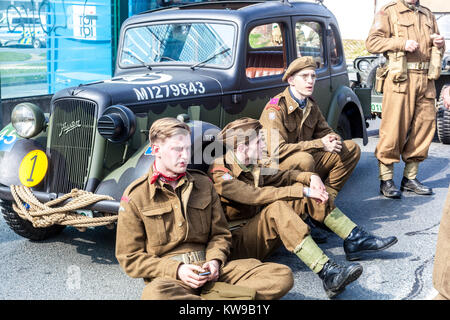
299	137
270	205
441	272
407	34
171	228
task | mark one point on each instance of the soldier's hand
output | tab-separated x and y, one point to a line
189	274
438	40
213	266
332	143
411	45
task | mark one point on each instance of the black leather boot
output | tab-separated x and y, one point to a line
389	190
360	243
318	234
336	277
415	186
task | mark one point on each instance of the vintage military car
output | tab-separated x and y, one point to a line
207	63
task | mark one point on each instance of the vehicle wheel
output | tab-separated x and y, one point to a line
24	228
443	119
343	127
37	44
368	76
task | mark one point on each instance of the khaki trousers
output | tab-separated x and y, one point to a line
408	123
270	280
333	168
277	223
441	271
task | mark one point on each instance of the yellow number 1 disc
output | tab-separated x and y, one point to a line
33	168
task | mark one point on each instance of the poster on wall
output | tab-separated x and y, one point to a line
84	22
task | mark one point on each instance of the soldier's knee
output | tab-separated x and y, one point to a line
353	149
283	280
302	161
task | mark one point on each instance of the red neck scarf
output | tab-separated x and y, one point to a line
158	175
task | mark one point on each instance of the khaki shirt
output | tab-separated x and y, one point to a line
155	223
416	25
290	129
244	193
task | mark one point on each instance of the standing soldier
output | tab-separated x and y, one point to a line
299	137
272	206
171	229
407	34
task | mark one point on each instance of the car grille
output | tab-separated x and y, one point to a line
72	135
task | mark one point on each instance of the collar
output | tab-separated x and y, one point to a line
301	103
407	7
290	102
187	178
236	167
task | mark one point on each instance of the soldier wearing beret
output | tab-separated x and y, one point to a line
266	210
299	137
407	34
171	228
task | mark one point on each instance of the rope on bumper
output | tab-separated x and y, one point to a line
43	215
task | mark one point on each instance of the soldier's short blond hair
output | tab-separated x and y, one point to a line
165	128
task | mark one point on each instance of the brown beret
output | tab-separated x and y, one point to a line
299	64
239	130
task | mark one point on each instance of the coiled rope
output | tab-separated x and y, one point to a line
43	215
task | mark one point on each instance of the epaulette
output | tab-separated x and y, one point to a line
273	103
132	186
383	8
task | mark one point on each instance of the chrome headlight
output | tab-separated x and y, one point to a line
28	119
363	65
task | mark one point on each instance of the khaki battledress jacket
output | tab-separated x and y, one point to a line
156	223
243	194
296	129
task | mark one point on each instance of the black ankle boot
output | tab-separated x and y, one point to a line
415	186
360	242
389	190
336	277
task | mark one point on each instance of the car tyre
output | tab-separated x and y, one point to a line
24	228
344	128
443	119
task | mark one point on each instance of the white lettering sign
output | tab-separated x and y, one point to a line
84	22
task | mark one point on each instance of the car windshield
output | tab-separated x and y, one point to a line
194	44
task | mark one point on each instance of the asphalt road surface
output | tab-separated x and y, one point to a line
77	265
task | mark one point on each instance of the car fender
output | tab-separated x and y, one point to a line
202	153
343	97
13	149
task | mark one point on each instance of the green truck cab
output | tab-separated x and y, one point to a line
206	63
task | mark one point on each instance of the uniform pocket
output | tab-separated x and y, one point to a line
404	27
199	214
157	224
399	87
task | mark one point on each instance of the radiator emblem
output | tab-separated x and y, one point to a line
66	128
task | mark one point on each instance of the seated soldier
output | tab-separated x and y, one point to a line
171	229
272	205
299	137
